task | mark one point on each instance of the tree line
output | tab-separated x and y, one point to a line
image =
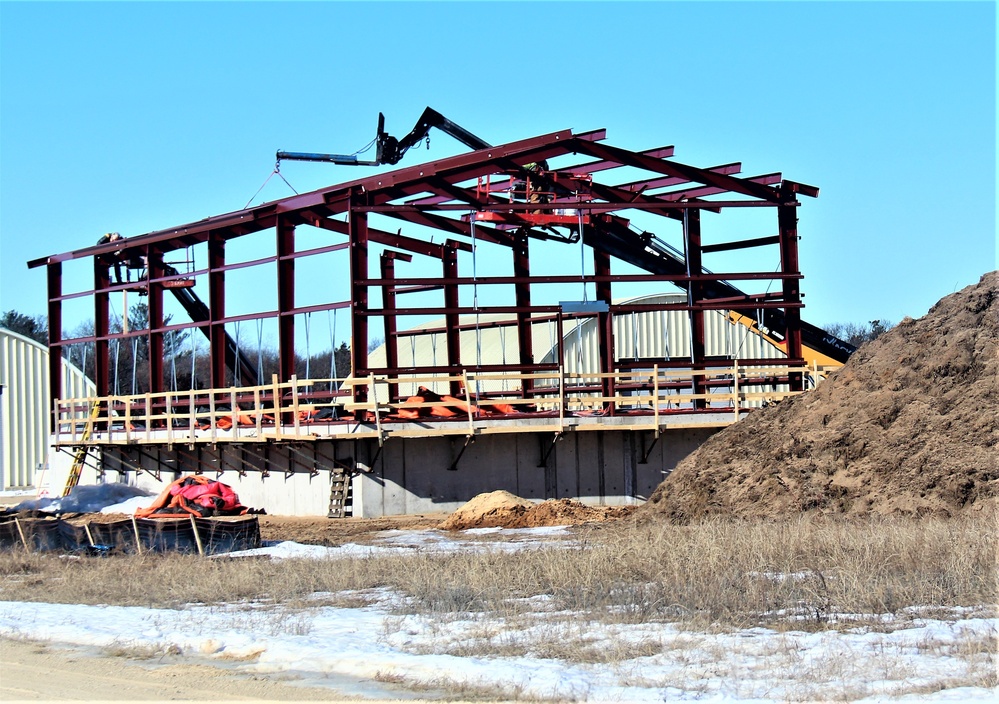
186	361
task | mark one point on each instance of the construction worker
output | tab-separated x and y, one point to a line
113	237
535	193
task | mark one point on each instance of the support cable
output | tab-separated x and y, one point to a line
135	359
308	355
173	372
433	348
235	371
194	360
475	305
335	373
260	351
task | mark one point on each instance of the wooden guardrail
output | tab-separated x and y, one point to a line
360	407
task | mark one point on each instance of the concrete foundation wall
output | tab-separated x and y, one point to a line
597	467
412	475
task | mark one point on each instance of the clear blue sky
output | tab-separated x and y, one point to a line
141	116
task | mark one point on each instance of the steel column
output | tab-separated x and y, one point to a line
692	244
452	319
216	310
605	328
154	270
102	279
55	336
286	297
522	294
787	220
358	233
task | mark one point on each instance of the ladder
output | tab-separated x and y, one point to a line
80	457
340	494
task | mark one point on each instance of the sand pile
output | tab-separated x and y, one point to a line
504	510
909	425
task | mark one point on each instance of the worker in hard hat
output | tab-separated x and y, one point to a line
113	237
535	193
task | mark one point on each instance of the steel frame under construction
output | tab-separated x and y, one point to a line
493	196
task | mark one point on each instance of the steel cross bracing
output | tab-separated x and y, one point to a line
438	204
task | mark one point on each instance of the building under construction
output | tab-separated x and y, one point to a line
549	327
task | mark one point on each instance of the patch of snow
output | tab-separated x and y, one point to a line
658	661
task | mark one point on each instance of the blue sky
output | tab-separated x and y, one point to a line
141	116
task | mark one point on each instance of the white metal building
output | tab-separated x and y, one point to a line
642	335
25	406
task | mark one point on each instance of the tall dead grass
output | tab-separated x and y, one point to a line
803	572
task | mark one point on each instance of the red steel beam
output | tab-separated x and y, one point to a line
672	168
522	298
286	297
451	312
154	270
54	285
216	312
358	223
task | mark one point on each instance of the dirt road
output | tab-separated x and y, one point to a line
35	672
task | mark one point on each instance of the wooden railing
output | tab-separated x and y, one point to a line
361	407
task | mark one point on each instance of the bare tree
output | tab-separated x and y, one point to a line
859	333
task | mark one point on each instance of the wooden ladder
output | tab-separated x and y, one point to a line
340	494
80	458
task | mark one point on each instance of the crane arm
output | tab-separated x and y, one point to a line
390	150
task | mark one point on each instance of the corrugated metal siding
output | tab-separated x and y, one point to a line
663	335
659	334
25	406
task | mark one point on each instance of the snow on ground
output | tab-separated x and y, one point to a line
755	665
543	654
398	542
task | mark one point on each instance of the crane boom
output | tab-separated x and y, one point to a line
388	149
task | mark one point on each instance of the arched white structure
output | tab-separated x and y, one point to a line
25	407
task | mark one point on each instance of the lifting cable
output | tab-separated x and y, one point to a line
277	170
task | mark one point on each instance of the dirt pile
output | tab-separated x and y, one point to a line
909	425
504	510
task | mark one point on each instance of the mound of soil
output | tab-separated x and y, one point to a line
504	510
497	508
910	425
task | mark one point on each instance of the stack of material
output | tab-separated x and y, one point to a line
138	535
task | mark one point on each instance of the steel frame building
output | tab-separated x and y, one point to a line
501	199
466	201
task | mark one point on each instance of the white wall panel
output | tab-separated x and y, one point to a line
25	405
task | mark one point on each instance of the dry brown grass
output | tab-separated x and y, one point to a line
801	572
